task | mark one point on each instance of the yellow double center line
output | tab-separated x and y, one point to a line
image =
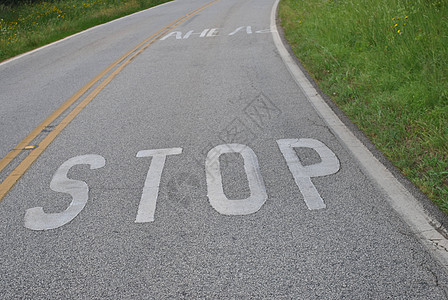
117	67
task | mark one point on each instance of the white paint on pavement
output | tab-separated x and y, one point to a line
177	34
218	199
191	32
213	32
248	30
147	206
328	165
266	30
407	206
37	219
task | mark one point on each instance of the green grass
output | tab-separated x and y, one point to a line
27	25
385	64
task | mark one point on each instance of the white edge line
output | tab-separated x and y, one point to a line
79	33
401	200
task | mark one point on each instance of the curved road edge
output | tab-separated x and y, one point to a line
8	60
399	197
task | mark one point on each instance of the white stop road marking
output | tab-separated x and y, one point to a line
37	219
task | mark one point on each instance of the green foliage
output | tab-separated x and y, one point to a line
384	62
27	24
18	2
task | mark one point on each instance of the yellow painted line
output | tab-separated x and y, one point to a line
18	149
24	165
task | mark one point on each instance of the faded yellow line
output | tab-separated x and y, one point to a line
24	165
26	141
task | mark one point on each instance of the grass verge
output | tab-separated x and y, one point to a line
384	63
27	25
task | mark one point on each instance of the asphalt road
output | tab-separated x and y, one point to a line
207	172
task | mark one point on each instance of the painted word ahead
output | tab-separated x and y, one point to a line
37	219
214	32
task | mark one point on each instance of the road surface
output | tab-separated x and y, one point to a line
197	165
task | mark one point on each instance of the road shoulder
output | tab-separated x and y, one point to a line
414	208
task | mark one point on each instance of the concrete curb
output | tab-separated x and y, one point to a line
427	230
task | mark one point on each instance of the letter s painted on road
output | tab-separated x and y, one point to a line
37	219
